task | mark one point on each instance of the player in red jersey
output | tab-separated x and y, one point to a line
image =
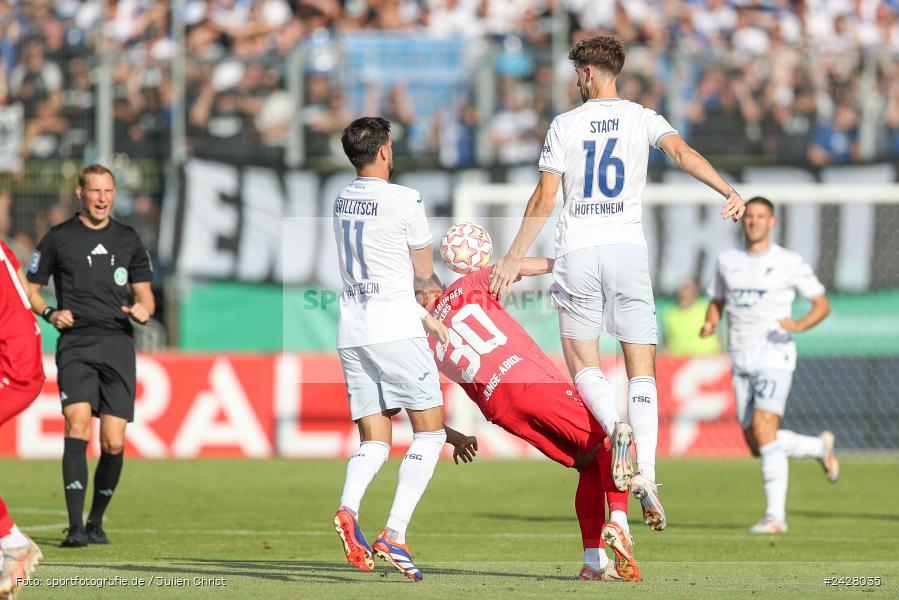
516	386
21	379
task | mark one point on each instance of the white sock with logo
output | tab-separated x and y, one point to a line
775	475
796	445
14	539
360	470
595	558
415	473
643	417
597	393
619	517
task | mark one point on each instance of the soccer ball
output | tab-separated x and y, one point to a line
466	248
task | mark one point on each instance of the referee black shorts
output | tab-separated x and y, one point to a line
98	369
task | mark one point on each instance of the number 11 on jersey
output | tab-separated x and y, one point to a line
351	250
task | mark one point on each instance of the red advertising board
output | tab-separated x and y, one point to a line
295	405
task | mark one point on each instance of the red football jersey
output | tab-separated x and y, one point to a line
489	354
20	336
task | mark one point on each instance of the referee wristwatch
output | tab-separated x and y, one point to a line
47	313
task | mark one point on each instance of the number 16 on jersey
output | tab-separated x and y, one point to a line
606	161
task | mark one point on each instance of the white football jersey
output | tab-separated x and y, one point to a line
376	223
758	291
601	151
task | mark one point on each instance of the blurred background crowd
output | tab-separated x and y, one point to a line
466	83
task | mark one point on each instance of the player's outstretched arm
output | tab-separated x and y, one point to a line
712	318
465	447
539	208
817	313
423	261
533	265
696	165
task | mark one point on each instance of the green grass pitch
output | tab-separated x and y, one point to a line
491	529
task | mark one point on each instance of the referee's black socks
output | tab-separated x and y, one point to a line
74	478
105	479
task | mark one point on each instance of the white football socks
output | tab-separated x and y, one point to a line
775	474
796	445
597	393
619	517
595	558
360	470
415	473
14	539
643	417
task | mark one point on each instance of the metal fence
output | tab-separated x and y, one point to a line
145	90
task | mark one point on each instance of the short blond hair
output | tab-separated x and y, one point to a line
94	169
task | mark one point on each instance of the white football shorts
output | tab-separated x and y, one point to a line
605	288
390	376
765	389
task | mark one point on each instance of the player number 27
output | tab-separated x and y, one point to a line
606	162
350	250
467	343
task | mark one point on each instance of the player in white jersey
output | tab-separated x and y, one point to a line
383	242
599	153
757	284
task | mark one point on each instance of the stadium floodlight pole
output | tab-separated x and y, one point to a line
178	66
559	47
870	106
103	126
294	152
485	100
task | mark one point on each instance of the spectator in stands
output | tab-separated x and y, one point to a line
837	142
328	125
12	130
514	129
397	108
35	81
220	125
448	18
78	106
789	126
681	325
149	96
721	114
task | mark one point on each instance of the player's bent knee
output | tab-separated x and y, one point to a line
749	436
764	431
430	419
78	426
112	446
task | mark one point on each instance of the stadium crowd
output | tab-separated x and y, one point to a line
777	81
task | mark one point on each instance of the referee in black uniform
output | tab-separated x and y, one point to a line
97	265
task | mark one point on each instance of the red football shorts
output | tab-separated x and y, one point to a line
552	418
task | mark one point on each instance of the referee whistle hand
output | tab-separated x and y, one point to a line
62	319
138	313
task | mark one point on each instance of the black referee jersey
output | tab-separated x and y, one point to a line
92	269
